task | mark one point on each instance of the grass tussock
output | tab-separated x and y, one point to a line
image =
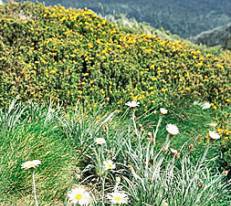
27	134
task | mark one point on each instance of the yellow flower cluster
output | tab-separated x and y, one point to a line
70	55
225	133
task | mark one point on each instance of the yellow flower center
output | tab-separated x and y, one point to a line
109	166
117	199
78	196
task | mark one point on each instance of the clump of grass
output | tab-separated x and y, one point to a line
156	178
30	132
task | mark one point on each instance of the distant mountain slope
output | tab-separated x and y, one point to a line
131	25
220	36
183	17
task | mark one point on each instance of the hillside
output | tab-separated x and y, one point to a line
99	111
69	55
220	36
183	17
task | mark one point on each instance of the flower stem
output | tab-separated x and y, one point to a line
103	191
34	188
157	129
134	123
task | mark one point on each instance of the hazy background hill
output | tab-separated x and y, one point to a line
183	17
220	36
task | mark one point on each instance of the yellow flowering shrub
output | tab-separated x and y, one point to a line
68	55
225	134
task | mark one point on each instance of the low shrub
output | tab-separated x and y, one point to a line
68	55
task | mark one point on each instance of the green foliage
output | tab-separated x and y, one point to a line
69	55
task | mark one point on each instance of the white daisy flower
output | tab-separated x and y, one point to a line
31	164
79	196
163	111
132	104
172	129
205	105
109	165
118	198
100	141
214	135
